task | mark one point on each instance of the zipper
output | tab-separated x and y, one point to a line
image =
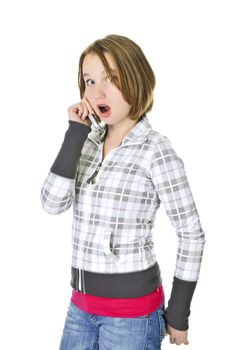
79	280
92	179
83	281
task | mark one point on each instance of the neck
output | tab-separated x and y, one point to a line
118	132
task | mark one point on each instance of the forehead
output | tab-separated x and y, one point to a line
92	64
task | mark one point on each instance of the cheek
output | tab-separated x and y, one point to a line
89	94
119	97
122	102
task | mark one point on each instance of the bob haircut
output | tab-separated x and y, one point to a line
136	79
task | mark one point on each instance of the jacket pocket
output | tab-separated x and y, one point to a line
106	245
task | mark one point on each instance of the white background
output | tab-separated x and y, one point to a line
188	44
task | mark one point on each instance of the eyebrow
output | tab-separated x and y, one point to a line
111	70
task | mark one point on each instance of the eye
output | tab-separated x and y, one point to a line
89	82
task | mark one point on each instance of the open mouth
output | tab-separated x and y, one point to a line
104	110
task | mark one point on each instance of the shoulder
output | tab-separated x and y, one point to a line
163	152
159	141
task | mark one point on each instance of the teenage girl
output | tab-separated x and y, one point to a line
115	177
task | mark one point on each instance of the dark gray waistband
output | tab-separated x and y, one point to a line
117	285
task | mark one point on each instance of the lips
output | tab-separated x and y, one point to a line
104	110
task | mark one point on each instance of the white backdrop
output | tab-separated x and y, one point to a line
188	44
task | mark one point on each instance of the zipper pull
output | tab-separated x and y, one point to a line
92	178
79	280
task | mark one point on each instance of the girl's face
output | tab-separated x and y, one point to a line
105	98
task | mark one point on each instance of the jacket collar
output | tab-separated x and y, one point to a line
137	134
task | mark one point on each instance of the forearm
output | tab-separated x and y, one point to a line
58	189
178	309
66	161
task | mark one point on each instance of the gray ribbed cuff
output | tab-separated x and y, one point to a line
65	163
178	309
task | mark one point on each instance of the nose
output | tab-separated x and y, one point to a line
99	91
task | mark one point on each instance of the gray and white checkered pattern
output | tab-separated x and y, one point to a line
114	214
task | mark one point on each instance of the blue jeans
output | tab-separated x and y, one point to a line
83	331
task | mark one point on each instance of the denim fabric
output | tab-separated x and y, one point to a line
83	331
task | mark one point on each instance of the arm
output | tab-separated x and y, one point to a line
58	189
172	187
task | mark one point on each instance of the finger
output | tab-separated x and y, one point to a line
178	341
172	340
83	110
75	108
80	110
85	113
90	108
76	105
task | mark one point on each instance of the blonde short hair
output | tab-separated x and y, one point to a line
136	77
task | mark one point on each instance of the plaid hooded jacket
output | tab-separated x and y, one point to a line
115	203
